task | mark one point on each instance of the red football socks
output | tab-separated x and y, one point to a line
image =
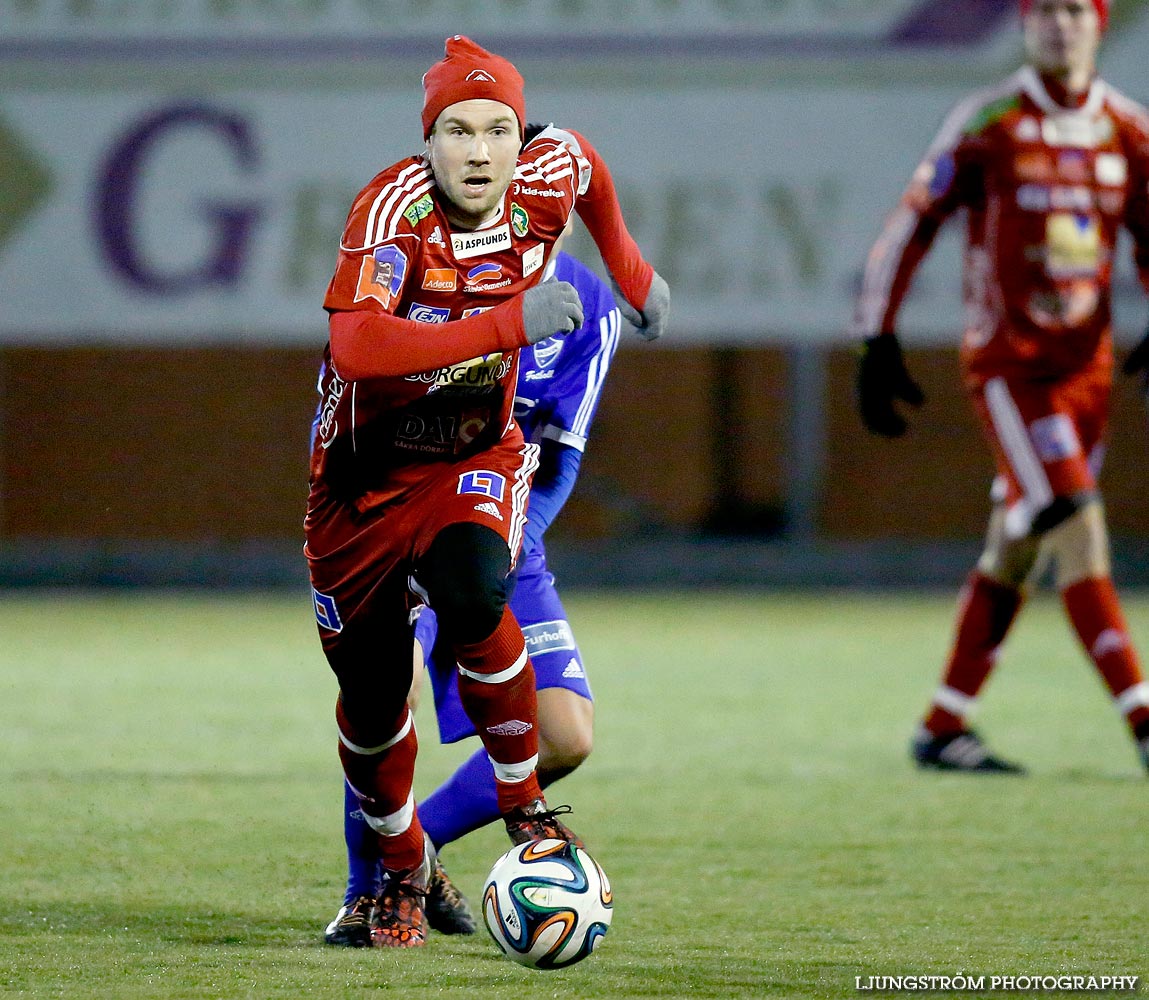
987	611
381	776
1095	612
497	689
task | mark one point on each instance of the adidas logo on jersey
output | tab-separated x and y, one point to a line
436	238
512	727
489	508
574	669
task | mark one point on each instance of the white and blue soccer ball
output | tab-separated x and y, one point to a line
547	904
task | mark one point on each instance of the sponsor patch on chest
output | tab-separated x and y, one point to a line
1073	245
467	245
1112	169
533	260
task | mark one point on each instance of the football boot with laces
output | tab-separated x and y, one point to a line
535	821
400	911
351	927
448	911
959	751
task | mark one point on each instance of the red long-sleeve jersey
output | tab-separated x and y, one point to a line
1046	189
421	364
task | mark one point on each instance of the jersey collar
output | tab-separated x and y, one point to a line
1031	83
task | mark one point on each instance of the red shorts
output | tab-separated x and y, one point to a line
1047	438
359	558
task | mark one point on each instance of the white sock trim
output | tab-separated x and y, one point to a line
394	823
503	675
954	701
368	751
514	774
1134	696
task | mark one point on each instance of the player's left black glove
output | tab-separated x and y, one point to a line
882	379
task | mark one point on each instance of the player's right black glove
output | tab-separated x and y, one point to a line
1138	363
882	379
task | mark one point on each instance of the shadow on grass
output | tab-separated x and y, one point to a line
168	923
706	970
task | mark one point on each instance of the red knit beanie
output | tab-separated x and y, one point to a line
469	72
1101	5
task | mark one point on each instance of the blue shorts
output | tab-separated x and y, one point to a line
550	644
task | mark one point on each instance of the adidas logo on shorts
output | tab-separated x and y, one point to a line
489	508
512	727
573	669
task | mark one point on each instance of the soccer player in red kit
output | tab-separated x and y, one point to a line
419	474
1048	165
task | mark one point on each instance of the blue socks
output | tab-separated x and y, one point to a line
464	802
364	873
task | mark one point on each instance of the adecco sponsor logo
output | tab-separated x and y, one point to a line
439	279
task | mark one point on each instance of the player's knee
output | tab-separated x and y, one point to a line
373	691
1060	511
1007	561
566	750
464	574
370	711
566	729
1080	544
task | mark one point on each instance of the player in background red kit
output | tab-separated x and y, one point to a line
419	474
1048	165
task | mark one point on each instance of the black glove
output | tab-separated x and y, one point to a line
882	378
1138	359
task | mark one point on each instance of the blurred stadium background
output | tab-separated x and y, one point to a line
174	180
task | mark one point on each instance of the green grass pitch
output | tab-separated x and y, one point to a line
170	820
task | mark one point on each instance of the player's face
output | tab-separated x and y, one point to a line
473	150
1062	36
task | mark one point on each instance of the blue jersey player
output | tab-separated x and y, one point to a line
559	382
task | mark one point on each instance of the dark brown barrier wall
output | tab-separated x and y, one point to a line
210	444
934	483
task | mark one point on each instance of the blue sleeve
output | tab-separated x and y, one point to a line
582	368
558	470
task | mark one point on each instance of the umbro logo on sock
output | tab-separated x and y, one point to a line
1112	640
489	508
512	727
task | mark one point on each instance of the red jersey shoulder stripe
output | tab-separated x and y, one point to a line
889	250
555	154
1127	108
967	110
382	221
